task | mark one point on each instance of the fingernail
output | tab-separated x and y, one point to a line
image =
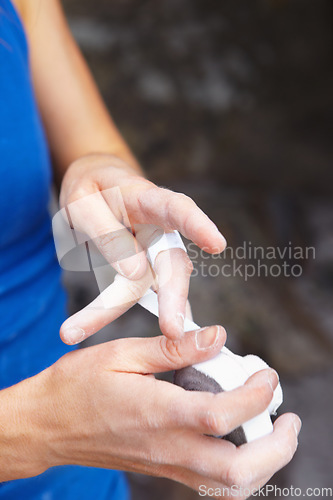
297	425
206	338
273	379
74	335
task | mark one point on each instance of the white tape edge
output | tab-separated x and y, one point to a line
166	242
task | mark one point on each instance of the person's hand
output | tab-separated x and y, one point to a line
103	213
102	407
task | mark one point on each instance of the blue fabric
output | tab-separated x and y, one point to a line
32	301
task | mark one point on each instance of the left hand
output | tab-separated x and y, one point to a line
146	209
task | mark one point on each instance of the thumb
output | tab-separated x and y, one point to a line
160	354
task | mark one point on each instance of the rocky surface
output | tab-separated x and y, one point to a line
230	103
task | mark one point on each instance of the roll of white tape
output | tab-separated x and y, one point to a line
225	372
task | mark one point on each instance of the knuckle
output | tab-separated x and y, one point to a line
212	417
205	414
171	351
216	424
237	476
184	198
146	197
176	200
79	192
105	241
113	243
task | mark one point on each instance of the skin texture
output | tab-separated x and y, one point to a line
102	407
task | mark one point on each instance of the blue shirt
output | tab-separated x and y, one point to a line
32	301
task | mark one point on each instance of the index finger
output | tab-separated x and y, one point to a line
170	211
219	414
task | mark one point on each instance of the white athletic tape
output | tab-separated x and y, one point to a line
230	371
166	242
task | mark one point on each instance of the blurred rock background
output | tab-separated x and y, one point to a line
231	103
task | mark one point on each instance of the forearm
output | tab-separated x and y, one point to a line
24	435
76	119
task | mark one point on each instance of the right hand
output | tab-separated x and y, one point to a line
102	407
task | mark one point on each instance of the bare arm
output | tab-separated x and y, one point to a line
23	434
75	116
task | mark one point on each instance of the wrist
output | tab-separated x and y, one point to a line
117	160
26	429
